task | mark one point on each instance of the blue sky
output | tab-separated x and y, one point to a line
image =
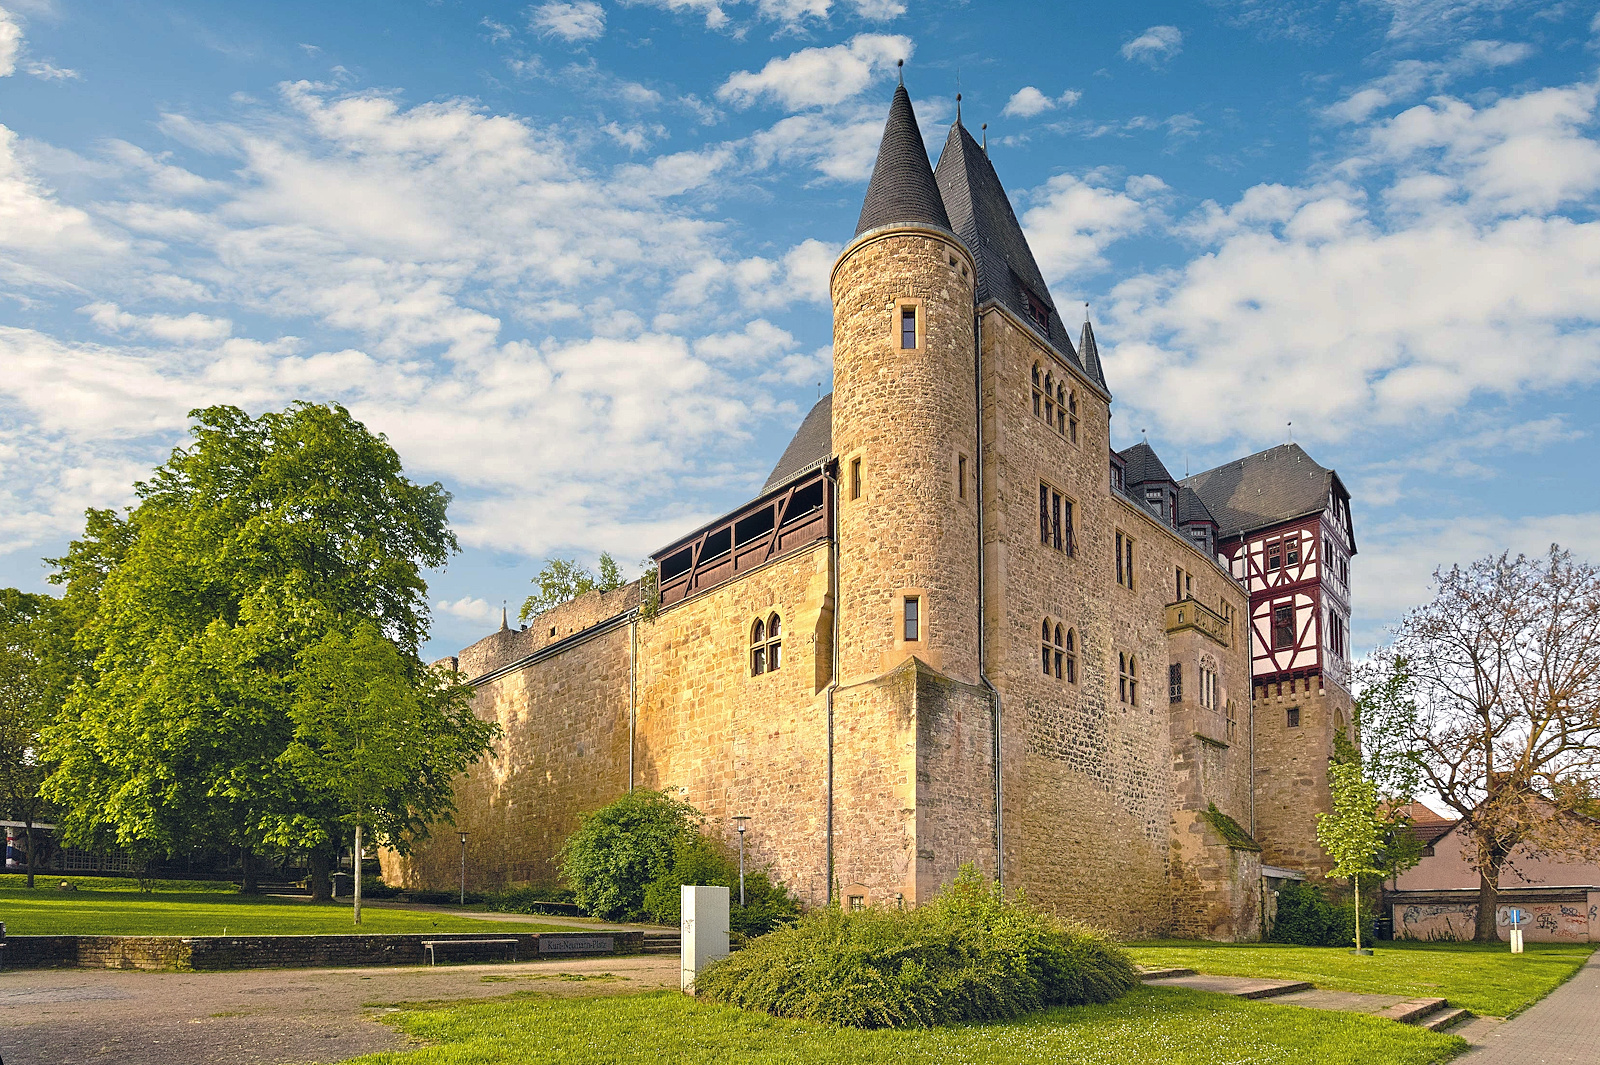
572	257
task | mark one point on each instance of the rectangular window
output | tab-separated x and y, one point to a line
1120	578
1055	520
908	327
913	619
1044	514
961	476
1175	683
1177	580
1294	717
855	478
1282	626
1127	552
858	903
1291	551
1274	555
1069	544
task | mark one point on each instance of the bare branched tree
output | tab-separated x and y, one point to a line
1505	666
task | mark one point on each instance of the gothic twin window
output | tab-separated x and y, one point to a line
1055	403
1208	682
1055	520
766	645
1128	678
1058	651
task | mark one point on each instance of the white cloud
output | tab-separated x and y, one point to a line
792	15
1155	45
1388	293
584	20
10	43
192	328
818	77
1029	101
879	10
1411	77
716	18
1437	19
469	608
50	72
1073	220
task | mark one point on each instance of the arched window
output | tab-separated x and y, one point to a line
774	642
1045	649
1128	678
1038	396
1061	409
1133	680
1049	399
1070	646
1208	681
758	648
1072	416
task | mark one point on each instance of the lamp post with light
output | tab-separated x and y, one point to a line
463	836
739	823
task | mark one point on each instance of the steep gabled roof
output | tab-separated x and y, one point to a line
1143	465
812	444
1191	508
902	187
981	215
1272	486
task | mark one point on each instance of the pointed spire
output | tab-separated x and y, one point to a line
1089	351
902	187
503	625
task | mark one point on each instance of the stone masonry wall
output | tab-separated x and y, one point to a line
1292	770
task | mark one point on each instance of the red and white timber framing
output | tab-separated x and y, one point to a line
1299	603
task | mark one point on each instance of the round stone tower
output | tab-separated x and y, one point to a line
905	423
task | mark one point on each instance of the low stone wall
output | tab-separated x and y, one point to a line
296	952
1550	915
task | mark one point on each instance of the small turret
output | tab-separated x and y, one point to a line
902	188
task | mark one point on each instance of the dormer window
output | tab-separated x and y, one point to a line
1039	313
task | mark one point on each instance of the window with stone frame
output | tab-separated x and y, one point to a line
1038	392
1128	678
1124	552
1208	681
908	327
1061	409
766	645
1072	416
1175	682
855	478
912	617
1049	399
961	476
1069	648
1292	717
1055	520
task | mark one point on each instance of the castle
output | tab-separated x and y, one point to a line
955	626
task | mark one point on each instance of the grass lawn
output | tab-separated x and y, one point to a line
106	906
1484	978
1172	1027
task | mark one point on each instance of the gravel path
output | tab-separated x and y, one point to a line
265	1017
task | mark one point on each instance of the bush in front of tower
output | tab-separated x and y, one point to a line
620	848
698	859
1308	919
968	955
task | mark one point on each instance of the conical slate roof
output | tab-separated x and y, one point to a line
981	215
902	187
1089	352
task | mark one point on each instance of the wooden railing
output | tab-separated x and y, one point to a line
787	518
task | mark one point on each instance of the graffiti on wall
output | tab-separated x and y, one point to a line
1541	921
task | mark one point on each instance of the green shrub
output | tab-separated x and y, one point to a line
620	848
697	859
968	955
1341	930
526	899
1304	916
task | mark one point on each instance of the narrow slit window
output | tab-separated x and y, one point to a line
1072	416
913	618
1038	396
961	476
1175	683
1120	578
1061	652
855	478
908	327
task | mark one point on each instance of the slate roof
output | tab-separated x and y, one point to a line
1272	486
902	187
1089	352
1143	465
812	444
981	215
1191	508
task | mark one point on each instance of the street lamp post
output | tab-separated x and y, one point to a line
739	823
463	836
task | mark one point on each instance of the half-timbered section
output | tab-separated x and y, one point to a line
1284	531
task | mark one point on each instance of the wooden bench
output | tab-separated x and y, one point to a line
429	946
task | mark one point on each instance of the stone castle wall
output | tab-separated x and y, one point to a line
1291	783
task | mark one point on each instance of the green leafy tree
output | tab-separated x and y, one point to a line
563	580
623	846
36	666
1352	832
377	740
699	859
254	542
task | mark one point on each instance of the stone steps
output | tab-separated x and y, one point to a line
662	943
1447	1018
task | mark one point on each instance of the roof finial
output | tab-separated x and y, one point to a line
1085	312
503	625
901	63
985	129
1290	427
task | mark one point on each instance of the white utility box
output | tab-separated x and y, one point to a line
704	929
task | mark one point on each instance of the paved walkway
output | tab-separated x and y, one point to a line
1563	1028
519	918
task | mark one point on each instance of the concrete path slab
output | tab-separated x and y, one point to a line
1563	1028
1238	986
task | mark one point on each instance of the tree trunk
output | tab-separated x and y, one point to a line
321	870
28	835
247	873
358	874
1488	903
